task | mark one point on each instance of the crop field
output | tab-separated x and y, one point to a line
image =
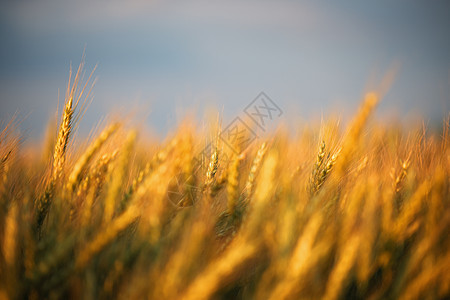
360	211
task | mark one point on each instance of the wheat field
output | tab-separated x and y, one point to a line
361	212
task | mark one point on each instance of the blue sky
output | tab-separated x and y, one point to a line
166	57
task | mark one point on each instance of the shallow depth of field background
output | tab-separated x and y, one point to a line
336	210
167	57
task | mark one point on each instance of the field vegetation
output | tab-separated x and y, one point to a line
361	212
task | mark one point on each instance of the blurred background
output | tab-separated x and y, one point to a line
164	58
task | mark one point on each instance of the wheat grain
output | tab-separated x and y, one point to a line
212	167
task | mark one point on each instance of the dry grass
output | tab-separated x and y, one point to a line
366	215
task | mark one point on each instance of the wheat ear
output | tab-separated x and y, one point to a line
352	138
212	168
254	170
59	156
84	160
118	178
233	185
